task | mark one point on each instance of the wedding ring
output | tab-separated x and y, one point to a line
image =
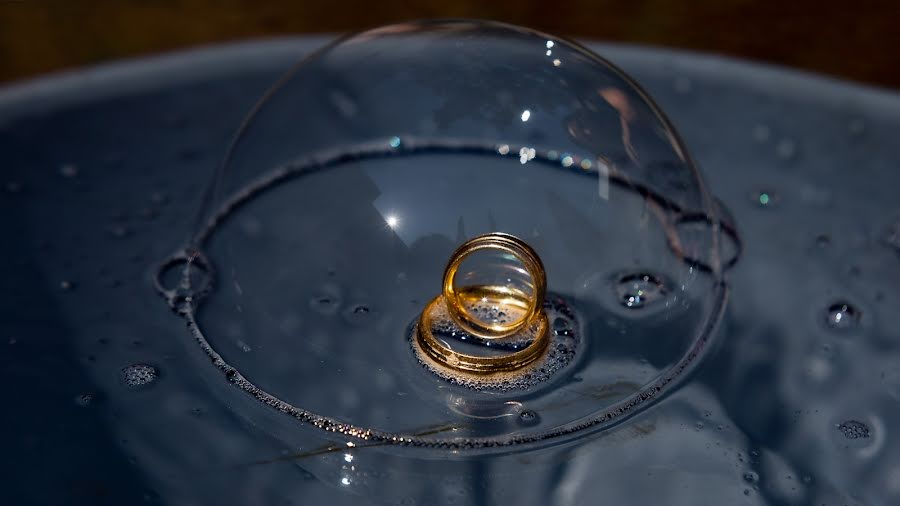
461	302
492	312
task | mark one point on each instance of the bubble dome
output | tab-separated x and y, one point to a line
348	187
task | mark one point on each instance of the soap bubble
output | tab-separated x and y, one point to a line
373	159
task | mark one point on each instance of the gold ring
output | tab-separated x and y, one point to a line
438	351
459	300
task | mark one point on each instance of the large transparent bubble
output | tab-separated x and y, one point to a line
328	227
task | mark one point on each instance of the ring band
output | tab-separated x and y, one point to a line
438	351
530	304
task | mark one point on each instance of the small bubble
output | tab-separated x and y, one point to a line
68	170
823	241
842	316
560	323
139	375
84	400
13	186
243	346
699	425
786	149
751	477
66	285
361	309
853	429
637	290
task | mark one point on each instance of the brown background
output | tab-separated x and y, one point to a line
851	39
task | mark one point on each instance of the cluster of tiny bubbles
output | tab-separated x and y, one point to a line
139	375
637	290
854	429
842	316
488	313
565	338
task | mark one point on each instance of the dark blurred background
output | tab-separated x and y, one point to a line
855	40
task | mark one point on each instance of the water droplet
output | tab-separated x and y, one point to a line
765	198
842	316
529	418
394	142
325	304
637	290
853	429
69	170
139	375
84	400
751	477
786	149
